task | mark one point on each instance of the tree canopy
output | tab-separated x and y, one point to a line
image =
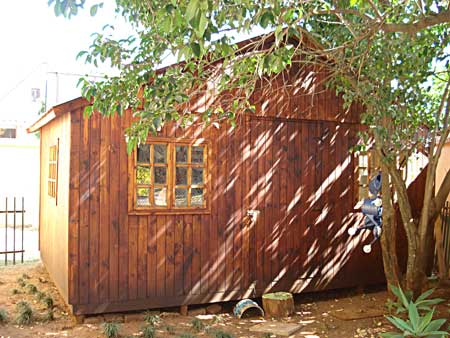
391	56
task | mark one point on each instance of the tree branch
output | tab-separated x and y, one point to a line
414	27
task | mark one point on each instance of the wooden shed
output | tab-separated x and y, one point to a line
204	214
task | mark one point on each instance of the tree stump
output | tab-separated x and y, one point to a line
278	304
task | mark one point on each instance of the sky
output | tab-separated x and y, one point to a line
35	45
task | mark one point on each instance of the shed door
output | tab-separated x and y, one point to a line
284	176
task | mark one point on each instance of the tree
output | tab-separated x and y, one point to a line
391	56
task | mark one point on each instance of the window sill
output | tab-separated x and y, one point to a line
169	212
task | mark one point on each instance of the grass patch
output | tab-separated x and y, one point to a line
3	316
24	313
111	330
148	332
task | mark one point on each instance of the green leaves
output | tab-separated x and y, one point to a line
94	8
415	325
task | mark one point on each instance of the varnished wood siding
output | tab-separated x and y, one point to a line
297	173
53	234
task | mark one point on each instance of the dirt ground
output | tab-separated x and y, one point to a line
320	315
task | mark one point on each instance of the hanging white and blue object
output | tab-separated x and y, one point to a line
373	210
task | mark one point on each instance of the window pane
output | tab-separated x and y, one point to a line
197	197
142	197
160	197
181	197
159	151
197	154
181	154
181	176
143	153
143	175
197	176
160	175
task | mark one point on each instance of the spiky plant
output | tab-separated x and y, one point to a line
48	301
111	330
3	316
148	331
49	315
222	334
197	325
21	282
186	335
24	313
32	289
170	329
40	295
151	318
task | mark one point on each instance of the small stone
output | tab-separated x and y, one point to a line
112	317
196	312
213	309
93	320
134	317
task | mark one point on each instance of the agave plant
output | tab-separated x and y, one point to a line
405	298
416	325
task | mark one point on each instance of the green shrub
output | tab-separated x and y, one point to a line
32	289
186	335
111	330
21	282
49	315
40	295
152	319
48	301
148	332
24	313
170	329
3	316
197	325
15	291
222	334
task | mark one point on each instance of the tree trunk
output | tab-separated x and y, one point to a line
389	236
442	267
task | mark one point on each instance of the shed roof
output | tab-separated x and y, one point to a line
56	111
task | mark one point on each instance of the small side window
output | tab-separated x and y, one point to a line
53	172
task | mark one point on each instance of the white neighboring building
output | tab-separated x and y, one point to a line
19	169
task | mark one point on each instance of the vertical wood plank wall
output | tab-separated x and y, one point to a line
54	212
289	161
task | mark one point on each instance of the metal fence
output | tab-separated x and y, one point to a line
445	221
14	215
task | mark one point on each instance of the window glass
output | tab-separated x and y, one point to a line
197	197
181	197
143	153
197	154
181	154
170	175
160	196
143	197
160	175
197	176
143	175
159	153
181	176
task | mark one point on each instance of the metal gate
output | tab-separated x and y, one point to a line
12	234
445	221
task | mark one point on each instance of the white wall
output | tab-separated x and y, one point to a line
19	172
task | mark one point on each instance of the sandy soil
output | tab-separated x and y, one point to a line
317	313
